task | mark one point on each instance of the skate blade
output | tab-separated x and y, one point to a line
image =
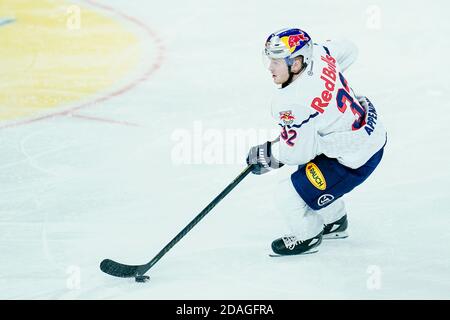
335	235
274	255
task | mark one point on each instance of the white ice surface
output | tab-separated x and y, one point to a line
74	191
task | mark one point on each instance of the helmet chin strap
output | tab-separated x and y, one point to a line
292	74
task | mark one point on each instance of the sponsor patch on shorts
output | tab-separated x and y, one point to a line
324	199
315	176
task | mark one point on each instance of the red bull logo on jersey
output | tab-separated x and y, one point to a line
315	176
295	41
287	117
329	80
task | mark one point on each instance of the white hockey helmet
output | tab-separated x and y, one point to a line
288	44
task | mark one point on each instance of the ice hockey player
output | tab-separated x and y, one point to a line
334	136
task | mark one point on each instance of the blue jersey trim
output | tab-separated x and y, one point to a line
303	122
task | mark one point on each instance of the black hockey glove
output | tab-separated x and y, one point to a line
262	159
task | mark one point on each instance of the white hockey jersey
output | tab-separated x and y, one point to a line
319	113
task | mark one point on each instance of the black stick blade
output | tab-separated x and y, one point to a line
118	269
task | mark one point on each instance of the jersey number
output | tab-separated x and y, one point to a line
344	100
288	136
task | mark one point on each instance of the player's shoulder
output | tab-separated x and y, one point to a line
336	45
290	106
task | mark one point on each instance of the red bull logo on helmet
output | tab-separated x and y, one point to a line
295	41
286	42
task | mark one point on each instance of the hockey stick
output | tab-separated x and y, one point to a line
127	271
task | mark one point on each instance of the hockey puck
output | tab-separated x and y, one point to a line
142	278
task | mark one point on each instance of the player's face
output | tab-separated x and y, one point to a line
279	70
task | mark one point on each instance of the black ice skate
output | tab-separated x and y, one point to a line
291	245
336	230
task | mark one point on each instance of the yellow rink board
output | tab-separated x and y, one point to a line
50	58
